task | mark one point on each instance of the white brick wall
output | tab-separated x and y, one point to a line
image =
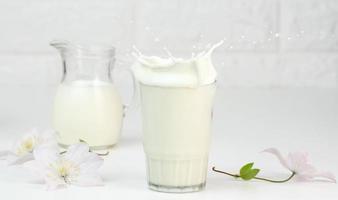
270	43
311	25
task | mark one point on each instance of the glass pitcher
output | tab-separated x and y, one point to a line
87	105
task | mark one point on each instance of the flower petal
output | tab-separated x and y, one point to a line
91	163
34	167
55	186
89	179
281	159
77	152
298	162
48	139
17	160
327	175
45	156
54	182
29	135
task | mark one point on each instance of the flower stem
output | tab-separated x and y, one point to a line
223	172
103	154
258	178
99	154
277	181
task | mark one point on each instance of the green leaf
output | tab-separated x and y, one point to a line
247	173
246	168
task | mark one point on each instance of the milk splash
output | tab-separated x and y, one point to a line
175	72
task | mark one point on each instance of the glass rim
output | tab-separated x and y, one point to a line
83	49
180	87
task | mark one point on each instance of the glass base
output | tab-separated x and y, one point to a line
104	147
178	189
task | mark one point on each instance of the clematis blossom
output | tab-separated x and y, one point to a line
77	166
298	163
22	150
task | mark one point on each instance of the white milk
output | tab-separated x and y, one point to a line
177	128
176	99
91	111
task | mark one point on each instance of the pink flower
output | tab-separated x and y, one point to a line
298	163
77	166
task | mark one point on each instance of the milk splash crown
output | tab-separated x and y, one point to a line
175	72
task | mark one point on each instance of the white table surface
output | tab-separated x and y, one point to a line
246	121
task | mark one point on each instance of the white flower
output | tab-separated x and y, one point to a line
298	163
22	149
77	166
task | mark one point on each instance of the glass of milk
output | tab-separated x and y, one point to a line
176	101
87	105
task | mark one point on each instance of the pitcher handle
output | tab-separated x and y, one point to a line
133	99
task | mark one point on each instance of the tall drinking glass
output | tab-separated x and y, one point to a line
176	133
